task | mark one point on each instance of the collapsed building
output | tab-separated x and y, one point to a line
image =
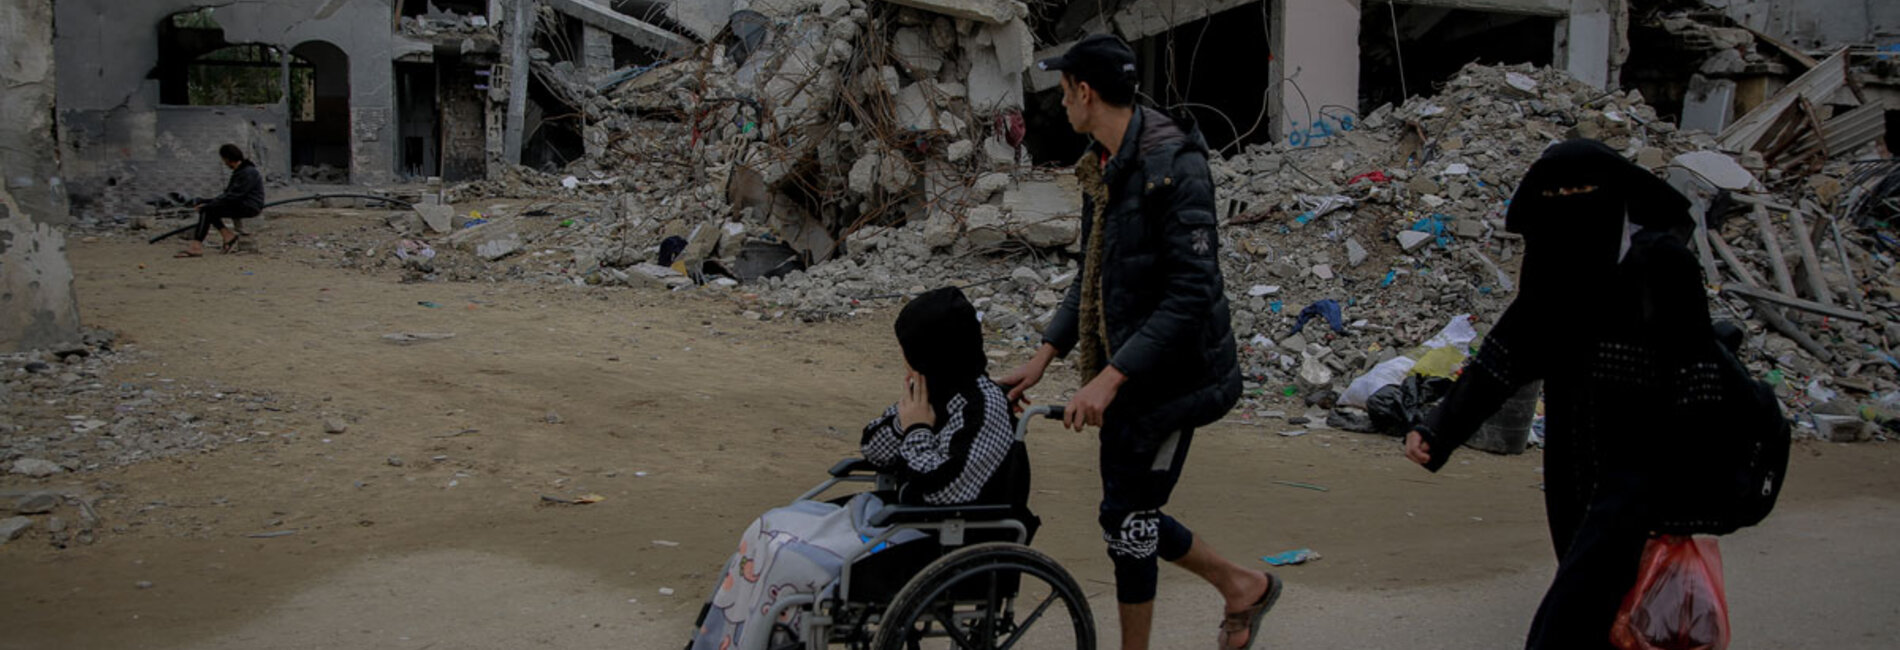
826	154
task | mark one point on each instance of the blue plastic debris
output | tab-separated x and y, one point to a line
1288	558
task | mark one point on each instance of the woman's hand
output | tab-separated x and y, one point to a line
1416	448
914	408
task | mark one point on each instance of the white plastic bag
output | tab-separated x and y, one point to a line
1457	334
1385	374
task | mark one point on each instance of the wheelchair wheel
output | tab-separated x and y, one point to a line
993	596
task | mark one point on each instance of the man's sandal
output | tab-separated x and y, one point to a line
184	254
1249	619
231	244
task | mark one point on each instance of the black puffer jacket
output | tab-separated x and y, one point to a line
1168	324
244	192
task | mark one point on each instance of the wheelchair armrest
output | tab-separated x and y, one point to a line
851	466
892	515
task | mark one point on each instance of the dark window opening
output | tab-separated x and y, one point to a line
417	8
1432	44
1215	69
416	120
320	113
197	67
1893	133
554	137
1047	136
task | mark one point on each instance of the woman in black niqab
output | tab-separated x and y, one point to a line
1608	290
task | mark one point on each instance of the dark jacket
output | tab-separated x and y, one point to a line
953	461
245	190
1165	305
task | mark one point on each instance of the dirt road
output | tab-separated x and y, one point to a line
423	525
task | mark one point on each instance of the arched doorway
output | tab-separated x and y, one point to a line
320	114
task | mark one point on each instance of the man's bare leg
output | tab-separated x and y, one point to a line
1240	587
1137	623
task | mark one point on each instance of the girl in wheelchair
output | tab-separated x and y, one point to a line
943	442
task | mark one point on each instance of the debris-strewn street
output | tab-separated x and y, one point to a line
547	299
423	520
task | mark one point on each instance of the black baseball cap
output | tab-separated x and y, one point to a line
1103	60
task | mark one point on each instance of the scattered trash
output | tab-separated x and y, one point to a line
576	501
1289	558
406	338
1304	486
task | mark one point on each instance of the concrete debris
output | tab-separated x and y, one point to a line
12	527
36	467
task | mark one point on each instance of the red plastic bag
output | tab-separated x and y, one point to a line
1678	602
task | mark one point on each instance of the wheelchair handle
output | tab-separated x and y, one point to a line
1049	412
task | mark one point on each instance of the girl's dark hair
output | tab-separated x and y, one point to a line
230	153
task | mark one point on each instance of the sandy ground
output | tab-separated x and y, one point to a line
689	420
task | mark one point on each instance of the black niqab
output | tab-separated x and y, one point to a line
1574	208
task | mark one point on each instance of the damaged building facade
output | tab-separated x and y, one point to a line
351	91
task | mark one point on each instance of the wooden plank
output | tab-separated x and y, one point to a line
1815	85
1763	202
1809	306
1799	56
1765	310
1780	323
1810	261
1728	258
1840	248
1777	265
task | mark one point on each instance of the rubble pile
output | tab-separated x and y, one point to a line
60	415
63	415
819	119
1398	218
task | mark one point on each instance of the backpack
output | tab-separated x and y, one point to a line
1724	466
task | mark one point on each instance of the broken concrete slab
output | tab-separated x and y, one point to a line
863	176
984	226
1040	200
988	185
12	527
940	230
490	241
1411	240
1053	233
640	33
438	218
1355	253
1718	168
912	48
704	18
987	11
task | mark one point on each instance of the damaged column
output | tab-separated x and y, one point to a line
37	304
1315	46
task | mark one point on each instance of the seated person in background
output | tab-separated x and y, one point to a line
943	440
243	198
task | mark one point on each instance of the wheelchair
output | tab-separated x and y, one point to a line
971	581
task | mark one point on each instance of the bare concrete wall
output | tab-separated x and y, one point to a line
37	304
110	122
